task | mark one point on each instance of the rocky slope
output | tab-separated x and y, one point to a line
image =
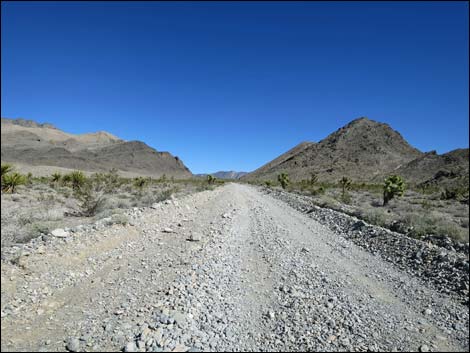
448	169
363	150
28	143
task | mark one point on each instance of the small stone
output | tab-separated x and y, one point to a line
180	348
167	230
60	233
427	312
225	215
73	344
424	348
130	347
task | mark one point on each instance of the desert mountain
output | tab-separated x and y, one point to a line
363	150
448	169
229	175
37	146
223	175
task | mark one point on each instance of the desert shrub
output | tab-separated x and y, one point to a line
204	186
268	183
77	179
92	196
283	179
394	186
25	219
464	223
140	183
456	193
55	178
165	195
39	228
426	205
66	180
11	181
119	218
421	224
123	203
377	217
29	178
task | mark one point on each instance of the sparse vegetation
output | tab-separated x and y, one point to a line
394	186
415	213
456	193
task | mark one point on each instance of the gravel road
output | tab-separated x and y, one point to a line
230	269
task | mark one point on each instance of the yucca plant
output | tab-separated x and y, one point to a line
56	177
393	186
283	179
77	178
6	168
66	179
345	185
11	180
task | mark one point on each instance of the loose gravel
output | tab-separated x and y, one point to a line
239	271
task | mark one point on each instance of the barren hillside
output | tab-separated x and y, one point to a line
29	144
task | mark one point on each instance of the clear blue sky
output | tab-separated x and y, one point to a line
233	85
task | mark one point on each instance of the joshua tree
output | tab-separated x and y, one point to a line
11	181
210	179
345	185
313	179
283	178
393	186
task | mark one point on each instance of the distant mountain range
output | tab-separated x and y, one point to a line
44	147
363	150
366	150
224	175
